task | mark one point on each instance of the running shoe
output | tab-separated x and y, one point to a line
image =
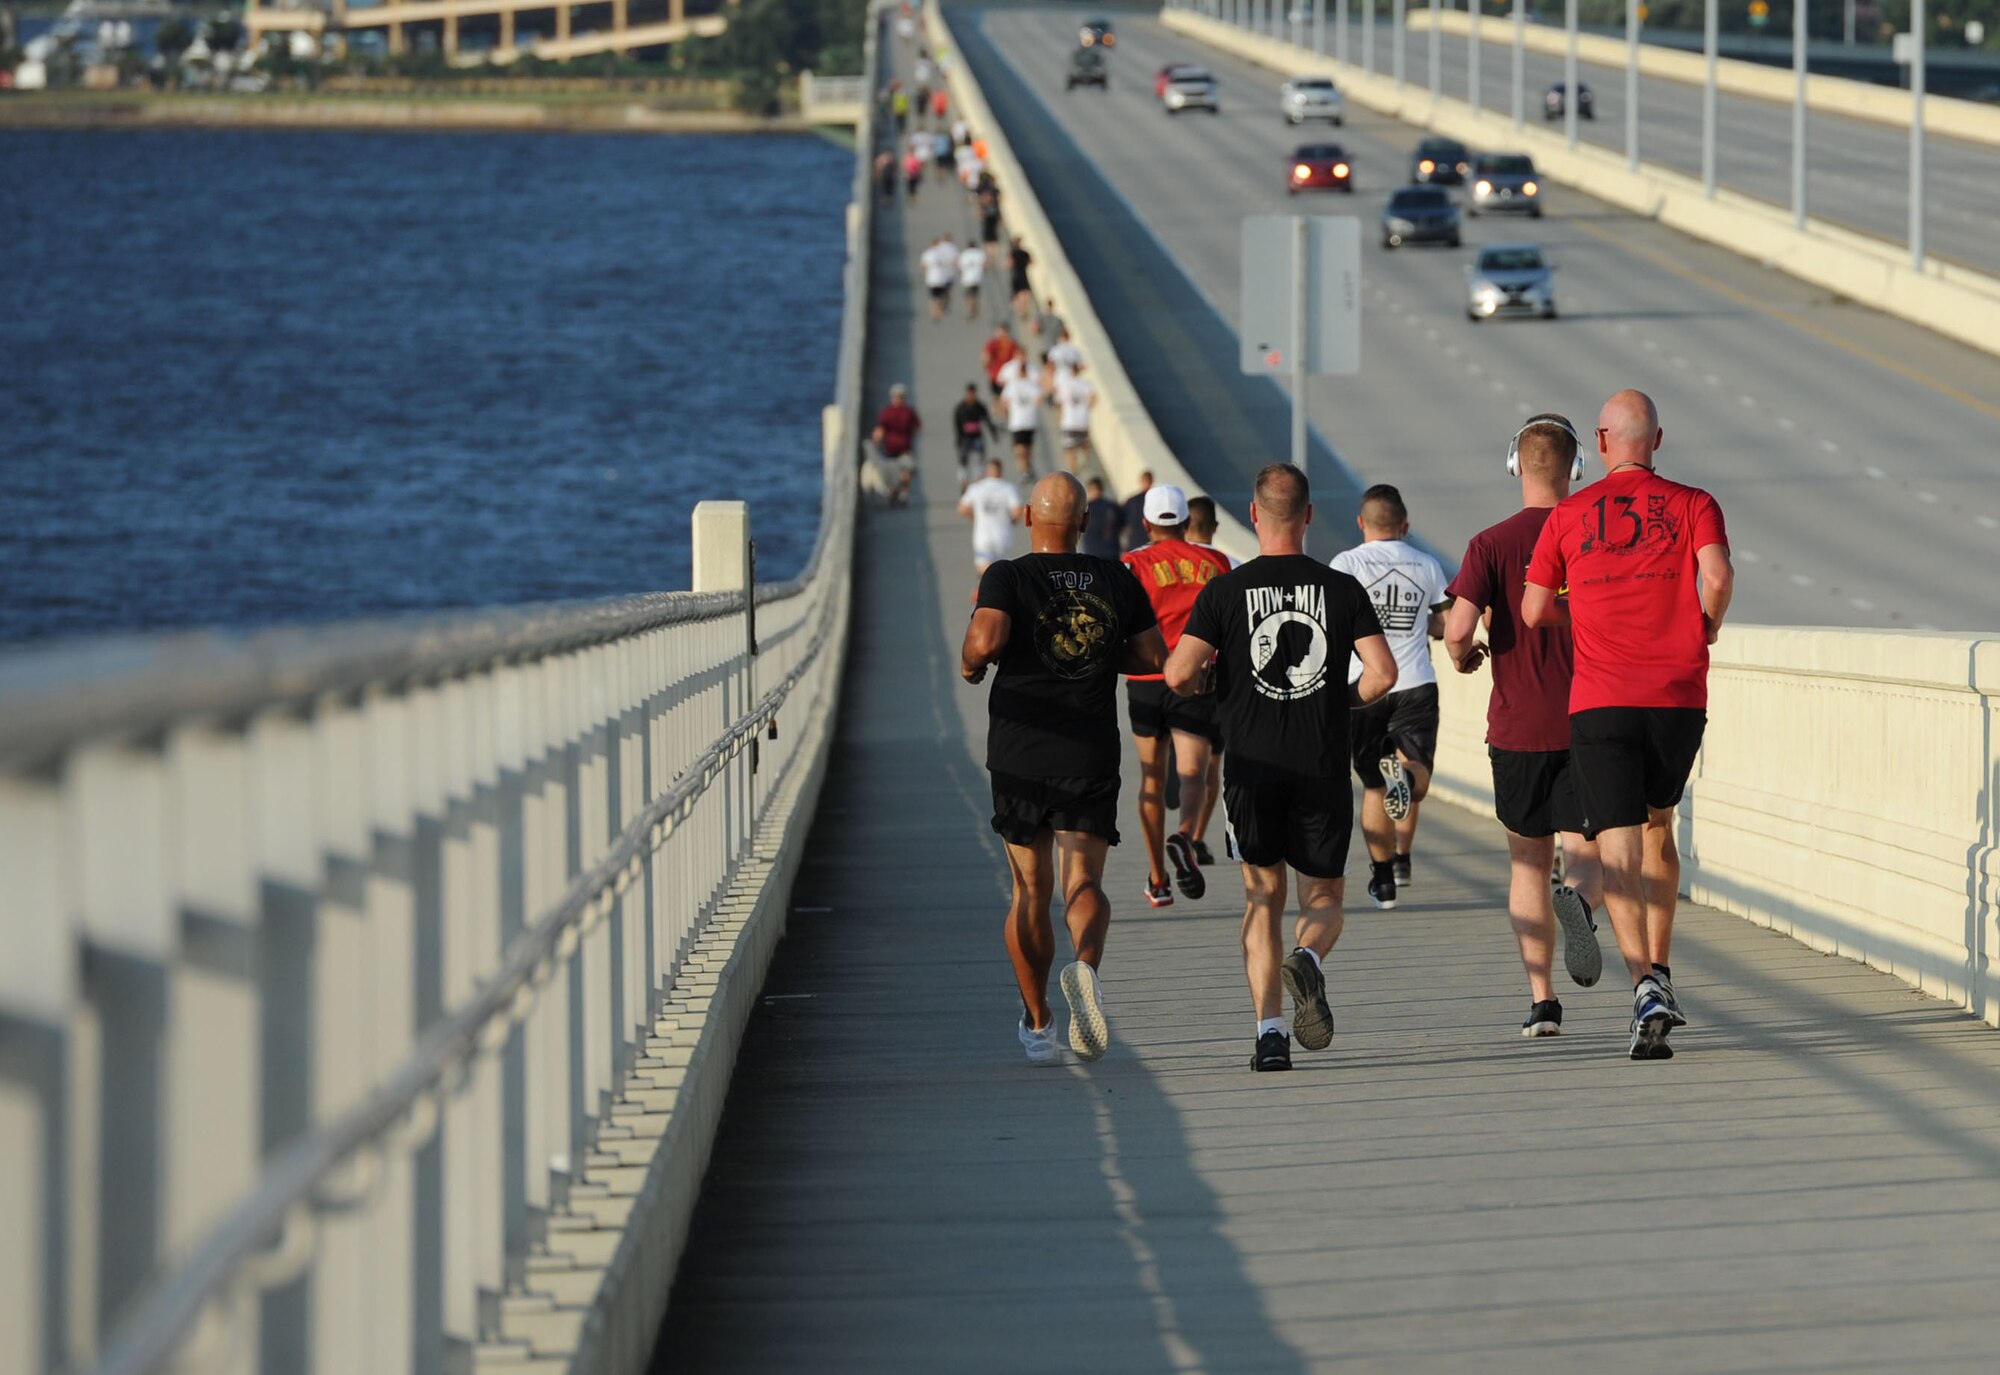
1396	790
1040	1045
1201	853
1274	1051
1187	868
1159	894
1382	888
1544	1019
1581	955
1673	1000
1312	1019
1089	1033
1652	1018
1402	863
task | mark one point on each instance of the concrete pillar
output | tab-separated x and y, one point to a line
506	29
677	11
562	26
721	546
450	37
396	40
618	16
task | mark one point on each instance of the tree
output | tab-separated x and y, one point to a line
172	38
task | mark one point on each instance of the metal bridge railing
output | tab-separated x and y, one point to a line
326	950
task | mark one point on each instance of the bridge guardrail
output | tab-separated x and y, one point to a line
360	979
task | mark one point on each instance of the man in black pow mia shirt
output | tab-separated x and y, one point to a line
1062	626
1280	630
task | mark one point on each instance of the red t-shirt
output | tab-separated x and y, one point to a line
1173	572
899	424
1529	708
995	355
1625	547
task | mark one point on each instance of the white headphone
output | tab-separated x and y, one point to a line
1514	446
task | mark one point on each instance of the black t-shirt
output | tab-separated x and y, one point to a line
1283	626
1019	266
1134	522
1054	704
1102	521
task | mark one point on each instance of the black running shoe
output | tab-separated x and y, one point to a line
1544	1019
1201	853
1187	869
1274	1051
1312	1019
1382	887
1402	863
1159	894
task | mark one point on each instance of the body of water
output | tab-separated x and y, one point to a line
259	377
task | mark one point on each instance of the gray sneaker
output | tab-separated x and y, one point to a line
1581	955
1312	1019
1089	1032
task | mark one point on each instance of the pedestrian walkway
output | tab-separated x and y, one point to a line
1812	1185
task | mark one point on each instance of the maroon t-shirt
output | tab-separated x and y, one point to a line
899	429
1529	709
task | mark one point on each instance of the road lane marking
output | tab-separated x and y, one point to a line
1989	522
1861	603
1877	474
1785	422
1829	446
1928	498
1749	556
1802	579
1712	379
1749	402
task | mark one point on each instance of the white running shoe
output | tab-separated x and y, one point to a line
1040	1045
1089	1033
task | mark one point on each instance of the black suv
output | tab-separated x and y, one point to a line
1086	68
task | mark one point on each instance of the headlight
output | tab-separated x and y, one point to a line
1301	172
1340	169
1528	188
1485	188
1427	166
1463	169
1485	290
1401	226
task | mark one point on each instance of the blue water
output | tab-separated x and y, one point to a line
260	377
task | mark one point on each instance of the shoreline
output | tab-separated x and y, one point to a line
420	114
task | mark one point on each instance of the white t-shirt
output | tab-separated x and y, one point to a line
995	504
971	265
940	263
922	71
1014	367
1064	357
1074	394
961	132
920	146
1404	583
1021	397
1229	559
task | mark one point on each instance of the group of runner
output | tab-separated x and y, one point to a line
1597	611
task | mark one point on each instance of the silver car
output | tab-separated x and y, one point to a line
1504	181
1191	88
1311	97
1510	279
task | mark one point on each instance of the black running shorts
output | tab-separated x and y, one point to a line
1405	721
1024	438
1157	709
1303	822
941	293
1534	791
1023	807
1628	760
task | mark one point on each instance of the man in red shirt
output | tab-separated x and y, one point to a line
999	351
895	439
1173	572
1646	565
1527	723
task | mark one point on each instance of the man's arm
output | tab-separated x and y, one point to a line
1435	625
1145	652
965	509
985	637
1718	585
1187	666
1541	609
1461	623
1378	671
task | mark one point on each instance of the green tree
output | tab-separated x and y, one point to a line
172	38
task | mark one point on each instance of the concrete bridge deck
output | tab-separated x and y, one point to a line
1812	1185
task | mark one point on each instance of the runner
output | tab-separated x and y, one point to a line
986	197
994	506
1279	628
1646	565
913	170
940	263
1527	724
895	438
1018	260
971	267
1022	396
1063	358
1101	521
1061	626
1395	739
1201	531
1132	529
1075	396
999	351
971	423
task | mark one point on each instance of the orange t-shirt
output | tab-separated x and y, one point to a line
1173	572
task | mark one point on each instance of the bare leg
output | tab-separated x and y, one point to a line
1031	939
1583	870
1320	918
1621	849
1086	911
1660	869
1529	906
1191	755
1376	828
1209	793
1153	804
1021	457
1263	946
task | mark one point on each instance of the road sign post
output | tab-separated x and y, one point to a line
1301	305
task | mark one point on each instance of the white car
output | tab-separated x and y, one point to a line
1510	279
1311	97
1191	88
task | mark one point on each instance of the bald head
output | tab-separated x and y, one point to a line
1628	429
1055	513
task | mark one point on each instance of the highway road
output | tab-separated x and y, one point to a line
1855	456
1857	171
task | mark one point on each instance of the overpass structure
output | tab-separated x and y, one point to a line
608	25
373	993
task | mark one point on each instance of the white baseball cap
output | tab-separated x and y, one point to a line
1166	506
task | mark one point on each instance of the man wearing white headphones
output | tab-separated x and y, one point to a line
1527	722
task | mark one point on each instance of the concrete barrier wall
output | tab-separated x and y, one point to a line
1959	304
1121	429
1834	95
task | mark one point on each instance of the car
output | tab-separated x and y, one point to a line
1311	97
1552	101
1319	167
1165	75
1419	214
1096	33
1086	68
1510	279
1505	182
1191	88
1441	162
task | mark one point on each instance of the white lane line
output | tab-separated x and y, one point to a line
1749	556
1785	422
1861	603
1802	579
1681	362
1877	474
1526	409
1498	386
1430	334
1451	350
1928	498
1476	371
1925	625
1747	401
1829	446
1711	379
1989	522
1652	346
1624	328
